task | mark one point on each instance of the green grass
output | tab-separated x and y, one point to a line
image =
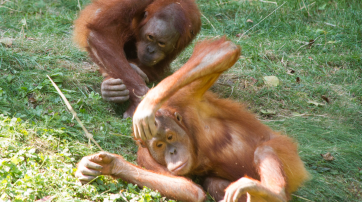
40	142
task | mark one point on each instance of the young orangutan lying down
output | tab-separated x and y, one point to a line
187	131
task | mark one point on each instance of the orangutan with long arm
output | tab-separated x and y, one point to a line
187	131
134	41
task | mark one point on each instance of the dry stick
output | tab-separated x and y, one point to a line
302	198
306	8
80	8
3	2
227	2
87	134
308	43
260	21
269	2
209	22
10	9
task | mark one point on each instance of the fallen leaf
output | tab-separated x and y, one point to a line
271	81
32	100
327	156
23	22
297	80
331	42
253	80
325	98
7	41
334	172
268	112
323	7
249	20
297	114
316	103
321	31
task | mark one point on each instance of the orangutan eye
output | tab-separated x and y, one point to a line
161	44
159	145
169	137
150	37
178	116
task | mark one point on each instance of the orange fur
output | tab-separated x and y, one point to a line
112	19
111	29
293	166
228	142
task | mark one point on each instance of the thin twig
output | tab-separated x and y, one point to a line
87	134
308	43
123	197
227	2
120	135
3	2
265	120
260	21
302	198
306	8
10	9
269	2
232	90
329	24
224	84
208	21
80	8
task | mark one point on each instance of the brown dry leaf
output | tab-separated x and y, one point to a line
325	98
253	80
311	42
297	80
249	20
7	41
32	100
290	71
327	156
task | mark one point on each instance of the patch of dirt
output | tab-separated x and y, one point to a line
271	56
84	67
355	189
